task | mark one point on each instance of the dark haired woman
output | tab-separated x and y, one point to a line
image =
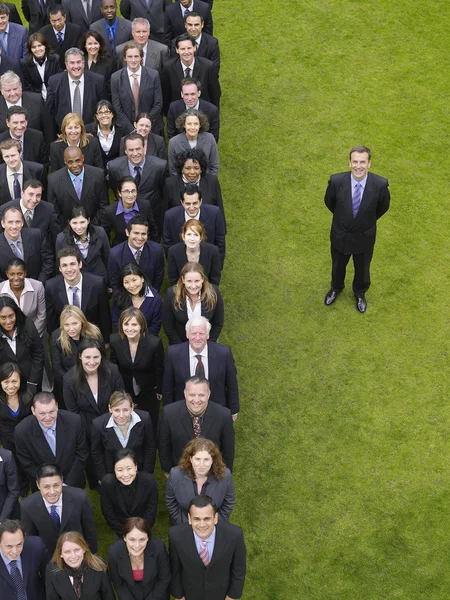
154	145
97	59
39	64
107	130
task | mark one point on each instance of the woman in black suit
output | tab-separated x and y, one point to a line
91	241
97	59
138	564
73	133
75	572
194	248
123	427
128	493
39	65
140	358
192	295
154	145
106	129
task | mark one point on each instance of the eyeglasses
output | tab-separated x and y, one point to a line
128	192
104	113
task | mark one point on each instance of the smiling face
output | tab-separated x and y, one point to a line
90	360
193	282
203	520
46	414
186	51
121	413
79	225
31	197
128	193
12	223
197	336
72	554
133	284
17	125
12	92
143	127
73	132
16	277
191	238
92	46
359	165
191	170
125	470
104	116
72	327
70	269
192	205
11	384
74	160
194	26
140	33
11	544
50	488
134	149
109	10
38	49
133	59
197	396
201	463
12	159
132	329
192	127
137	236
75	66
136	542
8	319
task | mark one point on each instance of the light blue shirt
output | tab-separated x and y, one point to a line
209	543
7	562
131	167
73	177
45	431
362	183
135	418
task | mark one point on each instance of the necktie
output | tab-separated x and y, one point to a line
54	515
137	175
59	37
77	99
28	218
111	39
18	581
200	368
51	439
87	8
4	43
78	187
356	200
137	256
16	250
186	14
196	425
42	3
187	72
135	92
16	187
204	553
76	298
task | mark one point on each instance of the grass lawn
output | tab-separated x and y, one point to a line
342	443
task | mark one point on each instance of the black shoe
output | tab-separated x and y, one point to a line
331	297
361	304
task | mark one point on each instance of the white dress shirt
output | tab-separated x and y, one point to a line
193	361
57	504
69	292
10	178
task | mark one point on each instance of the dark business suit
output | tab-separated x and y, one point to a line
225	574
31	170
151	309
77	15
177	107
72	35
174	21
354	235
10	64
96	261
44	219
34	149
30	356
105	444
209	187
77	515
71	450
58	95
123	32
61	363
176	430
156	572
38	115
208	48
17	41
156	146
9	484
149	99
61	193
203	71
34	559
222	375
91	152
33	14
94	302
156	56
209	259
32	78
37	255
151	262
153	12
114	151
14	16
109	220
96	585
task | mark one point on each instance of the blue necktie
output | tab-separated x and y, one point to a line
356	200
4	43
111	38
18	581
59	37
54	515
78	187
16	250
16	187
51	439
186	13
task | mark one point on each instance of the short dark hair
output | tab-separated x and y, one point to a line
16	262
137	220
4	9
10	525
11	209
16	110
137	523
124	180
194	13
33	183
360	149
44	398
196	380
133	136
191	81
189	190
201	501
48	470
55	9
184	37
125	453
69	251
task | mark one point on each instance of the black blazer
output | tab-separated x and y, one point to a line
105	67
31	76
9	484
174	321
152	263
153	12
94	302
77	515
37	255
145	502
31	170
71	38
76	13
156	572
156	146
176	430
35	148
38	115
71	450
209	186
96	585
178	107
33	14
91	152
119	132
105	443
109	220
44	219
61	363
209	259
79	398
29	354
96	261
8	423
174	22
34	559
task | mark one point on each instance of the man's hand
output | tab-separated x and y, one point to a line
159	397
167	477
234	417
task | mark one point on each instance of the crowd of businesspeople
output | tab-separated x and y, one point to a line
95	209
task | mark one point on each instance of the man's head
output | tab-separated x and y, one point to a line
134	148
11	87
74	59
57	17
203	515
197	332
49	482
17	121
186	3
74	159
70	262
4	16
359	162
194	24
12	222
45	409
12	538
196	394
140	30
190	91
108	9
191	199
31	193
10	151
132	56
137	231
185	47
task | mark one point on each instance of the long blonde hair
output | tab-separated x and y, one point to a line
92	561
87	329
84	137
208	295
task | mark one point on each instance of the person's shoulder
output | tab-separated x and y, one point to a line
108	481
31	501
65	416
101	421
91	77
54	282
34	543
18	28
205	62
155	162
217	411
93	279
74	493
156	545
178	349
118	163
31	233
229	529
210	209
377	179
153	246
176	211
182	530
174	408
96	172
340	177
26	425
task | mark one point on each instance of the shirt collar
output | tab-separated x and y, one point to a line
10	241
203	353
73	177
131	166
27	287
121	209
8	560
14	337
209	540
46	429
138	73
135	418
81	80
114	25
57	504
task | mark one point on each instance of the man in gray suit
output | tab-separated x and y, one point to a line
113	29
155	54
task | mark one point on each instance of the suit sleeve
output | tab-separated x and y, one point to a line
173	507
173	146
23	454
40	320
214	126
108	507
238	568
169	321
215	57
217	318
113	271
166	88
52	317
176	585
159	268
232	389
26	10
122	590
171	129
149	447
76	473
97	451
97	160
220	236
55	354
43	153
213	158
104	321
50	591
54	157
105	247
50	101
165	445
227	442
152	226
168	390
384	201
215	273
106	591
52	198
88	525
12	484
54	228
228	502
163	578
125	9
151	507
47	261
172	270
214	88
168	31
156	107
69	392
158	362
330	196
122	116
24	44
37	355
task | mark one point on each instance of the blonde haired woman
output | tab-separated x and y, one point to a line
73	133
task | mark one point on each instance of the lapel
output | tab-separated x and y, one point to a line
146	172
68	186
151	54
118	496
62	294
67	588
124	567
204	215
212	360
149	567
208	420
60	437
144	4
185	420
220	545
85	293
66	509
78	7
144	83
93	251
125	82
140	353
41	515
12	40
346	191
87	183
86	391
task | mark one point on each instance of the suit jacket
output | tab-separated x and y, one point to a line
71	449
14	16
58	95
38	115
123	33
33	14
32	302
152	263
153	12
145	503
44	219
157	55
151	309
96	261
32	78
34	560
29	356
77	515
37	255
94	302
71	38
225	574
61	193
114	151
203	71
176	430
109	220
156	572
77	15
351	235
96	585
208	48
209	187
177	107
9	484
209	259
35	148
222	374
150	97
91	152
210	217
156	146
174	21
180	491
205	142
11	64
17	41
79	398
61	363
105	443
8	423
31	170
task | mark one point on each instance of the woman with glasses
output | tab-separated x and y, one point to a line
107	130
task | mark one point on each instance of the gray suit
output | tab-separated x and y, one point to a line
205	142
33	305
156	55
123	33
9	484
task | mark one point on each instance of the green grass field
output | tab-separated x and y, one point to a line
342	444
